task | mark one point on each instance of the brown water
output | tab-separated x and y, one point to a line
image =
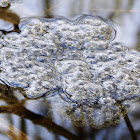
23	118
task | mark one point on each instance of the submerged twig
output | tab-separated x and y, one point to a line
10	17
37	119
17	108
130	127
127	121
13	131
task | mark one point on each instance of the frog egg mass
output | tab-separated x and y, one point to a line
78	61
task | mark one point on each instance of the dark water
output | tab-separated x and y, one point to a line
34	119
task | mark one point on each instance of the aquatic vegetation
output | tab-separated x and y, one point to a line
91	77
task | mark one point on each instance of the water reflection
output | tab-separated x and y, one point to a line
128	32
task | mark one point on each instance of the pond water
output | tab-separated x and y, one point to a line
83	83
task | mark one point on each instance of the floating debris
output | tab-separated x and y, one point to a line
76	59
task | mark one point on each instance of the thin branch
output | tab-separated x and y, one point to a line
116	10
127	121
13	132
37	119
130	127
